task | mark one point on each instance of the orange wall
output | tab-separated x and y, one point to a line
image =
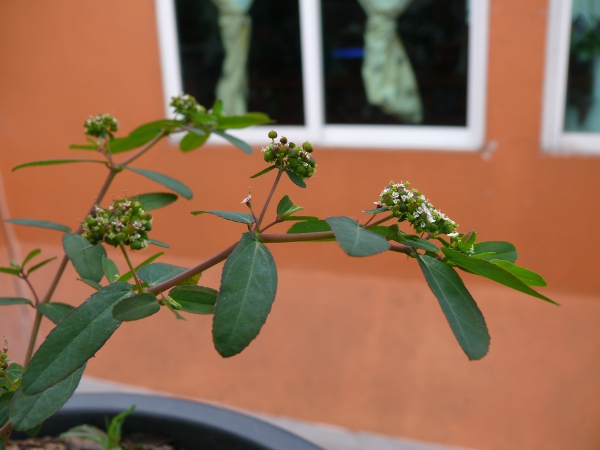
359	347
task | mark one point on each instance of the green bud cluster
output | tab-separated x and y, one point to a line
412	206
124	222
101	125
4	361
186	105
289	156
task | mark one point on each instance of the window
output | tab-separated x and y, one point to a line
347	73
571	112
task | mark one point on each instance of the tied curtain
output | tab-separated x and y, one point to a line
235	24
388	76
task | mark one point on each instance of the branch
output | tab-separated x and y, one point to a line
264	210
144	149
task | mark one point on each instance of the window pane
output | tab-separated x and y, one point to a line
423	80
274	69
582	111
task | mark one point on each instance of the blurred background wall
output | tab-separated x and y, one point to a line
360	343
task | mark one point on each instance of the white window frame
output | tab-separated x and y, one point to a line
553	137
467	138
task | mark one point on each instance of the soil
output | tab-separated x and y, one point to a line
137	441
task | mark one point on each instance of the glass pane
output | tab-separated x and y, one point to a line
274	69
419	79
582	111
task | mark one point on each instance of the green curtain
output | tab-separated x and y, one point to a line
235	25
388	76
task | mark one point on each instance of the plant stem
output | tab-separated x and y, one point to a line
401	249
143	150
377	222
264	210
135	277
59	273
275	222
26	278
300	237
5	430
207	264
9	381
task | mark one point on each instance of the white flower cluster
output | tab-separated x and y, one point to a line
101	125
186	105
412	206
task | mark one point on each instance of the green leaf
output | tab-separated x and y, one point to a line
495	250
262	172
55	311
297	180
414	241
193	140
10	271
245	121
4	301
468	240
40	264
229	215
195	299
114	428
124	144
90	433
52	162
153	128
377	210
86	260
28	411
248	286
5	401
91	283
217	107
284	205
492	271
156	200
311	226
354	240
75	339
34	431
204	119
30	256
154	274
158	243
461	311
235	141
136	307
83	147
40	224
168	182
298	218
128	276
111	271
529	277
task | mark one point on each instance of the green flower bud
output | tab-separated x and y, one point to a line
283	140
307	146
272	134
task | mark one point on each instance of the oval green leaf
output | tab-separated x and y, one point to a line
262	172
284	205
166	181
248	287
41	224
55	311
495	250
229	215
75	339
136	307
128	276
40	264
245	121
111	271
28	411
86	259
154	274
298	181
195	299
158	243
193	140
459	307
354	240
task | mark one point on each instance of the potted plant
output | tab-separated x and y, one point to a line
33	392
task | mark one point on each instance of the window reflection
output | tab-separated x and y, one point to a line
582	112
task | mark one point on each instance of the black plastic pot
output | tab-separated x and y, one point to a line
192	425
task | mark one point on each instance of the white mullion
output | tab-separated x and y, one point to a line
169	51
312	67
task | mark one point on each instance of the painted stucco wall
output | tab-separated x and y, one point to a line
355	342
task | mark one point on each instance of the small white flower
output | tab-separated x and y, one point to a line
247	199
454	234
